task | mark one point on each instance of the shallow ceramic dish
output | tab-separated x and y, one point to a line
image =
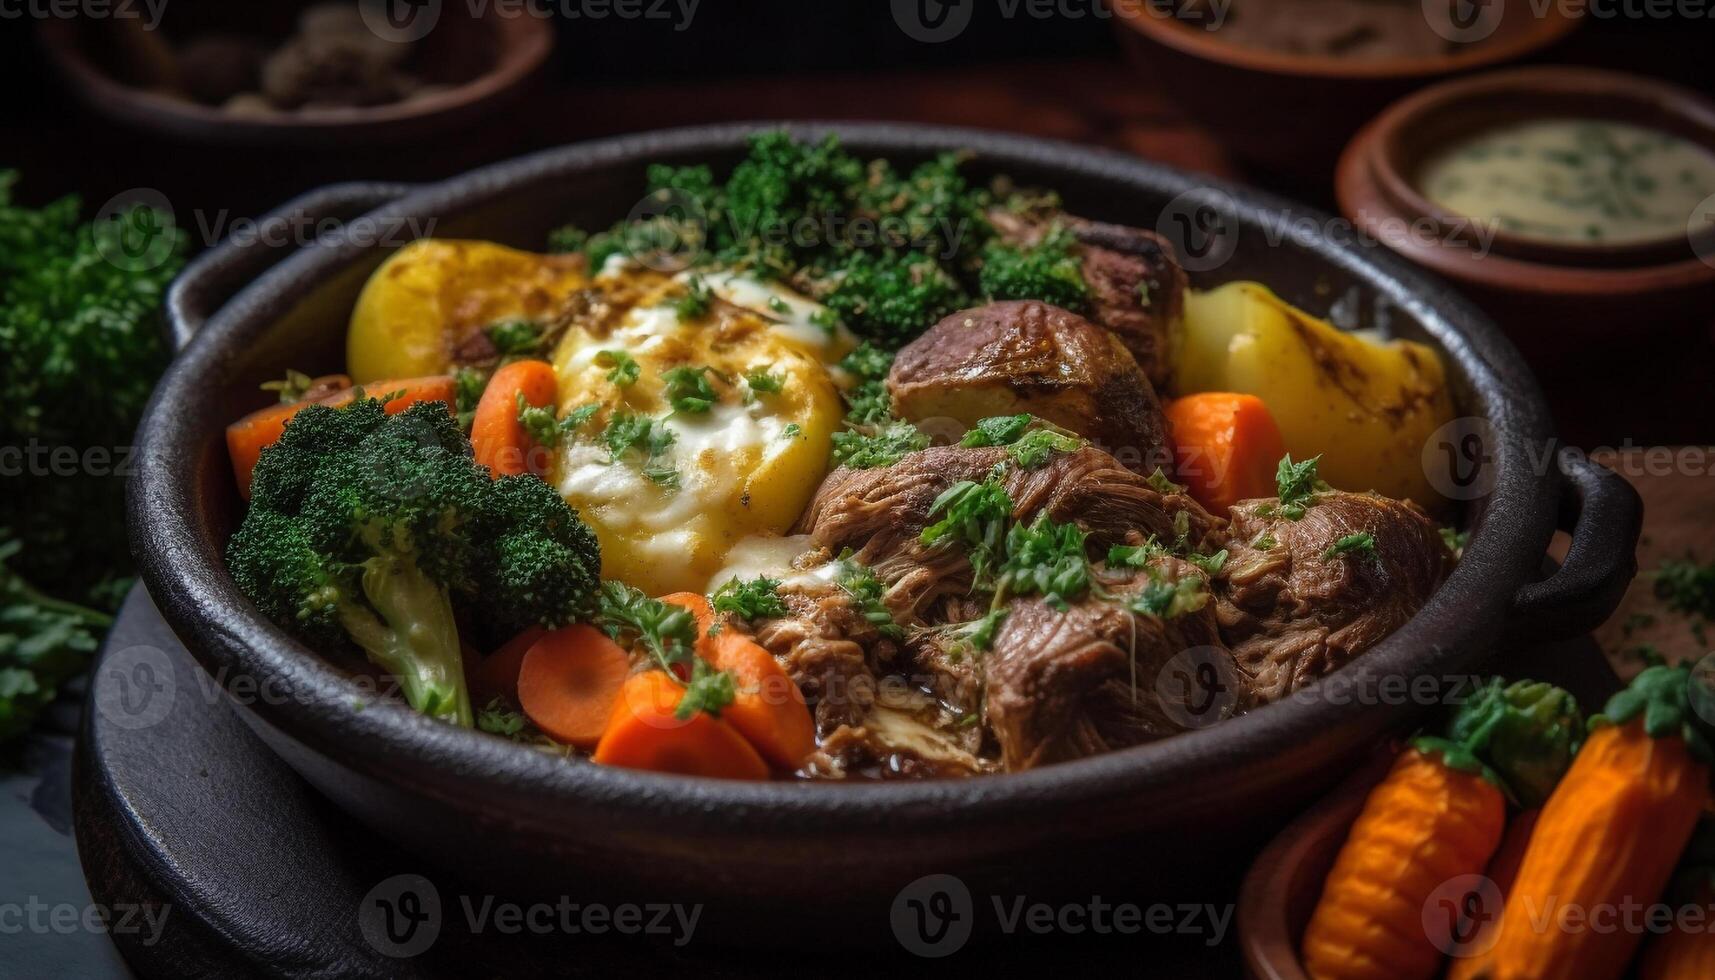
777	855
480	59
1292	112
1543	293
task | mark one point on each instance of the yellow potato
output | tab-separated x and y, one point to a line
1366	406
741	470
428	297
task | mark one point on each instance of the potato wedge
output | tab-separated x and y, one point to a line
1365	406
1028	356
433	294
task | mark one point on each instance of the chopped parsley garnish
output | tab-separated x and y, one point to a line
665	477
578	416
468	385
1455	540
1165	600
1034	449
1047	559
867	402
791	431
1362	543
779	306
539	422
998	430
625	369
980	633
694	305
761	381
866	592
292	388
1687	587
1264	542
498	719
1134	555
826	319
1159	482
1210	564
688	389
669	633
1296	484
755	599
975	515
627	431
862	451
516	338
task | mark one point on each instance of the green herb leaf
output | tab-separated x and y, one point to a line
862	451
694	305
1296	484
761	381
516	338
625	368
755	599
1362	543
688	389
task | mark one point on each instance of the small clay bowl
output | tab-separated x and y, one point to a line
1281	888
476	57
1542	293
1289	114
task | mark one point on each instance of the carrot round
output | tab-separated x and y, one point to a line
247	437
569	681
768	709
645	733
496	676
500	441
1608	838
1424	825
1226	447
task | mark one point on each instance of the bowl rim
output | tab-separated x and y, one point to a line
181	561
525	42
1193	40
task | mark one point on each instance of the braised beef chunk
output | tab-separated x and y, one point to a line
1068	684
1028	356
1298	599
880	512
1137	289
828	649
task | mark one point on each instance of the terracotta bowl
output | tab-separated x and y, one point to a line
1544	294
123	71
1289	114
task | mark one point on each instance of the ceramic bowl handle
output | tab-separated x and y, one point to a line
1604	515
214	277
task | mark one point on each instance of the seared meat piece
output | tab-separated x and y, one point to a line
1028	356
1137	290
1294	609
1064	685
880	512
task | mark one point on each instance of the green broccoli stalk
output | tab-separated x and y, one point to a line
1527	732
365	527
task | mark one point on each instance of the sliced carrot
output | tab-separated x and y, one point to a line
699	607
496	675
644	733
1227	447
247	437
768	709
569	681
499	439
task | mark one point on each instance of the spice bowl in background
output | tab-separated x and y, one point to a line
1589	201
1284	84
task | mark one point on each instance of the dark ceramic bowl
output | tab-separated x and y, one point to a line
776	856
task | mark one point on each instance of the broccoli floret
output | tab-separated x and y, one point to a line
1048	271
893	298
365	526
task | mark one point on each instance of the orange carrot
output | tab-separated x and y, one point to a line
247	437
1424	825
699	608
496	676
768	708
501	442
644	733
569	682
1503	871
1227	447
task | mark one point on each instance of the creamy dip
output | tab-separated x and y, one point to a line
1574	180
